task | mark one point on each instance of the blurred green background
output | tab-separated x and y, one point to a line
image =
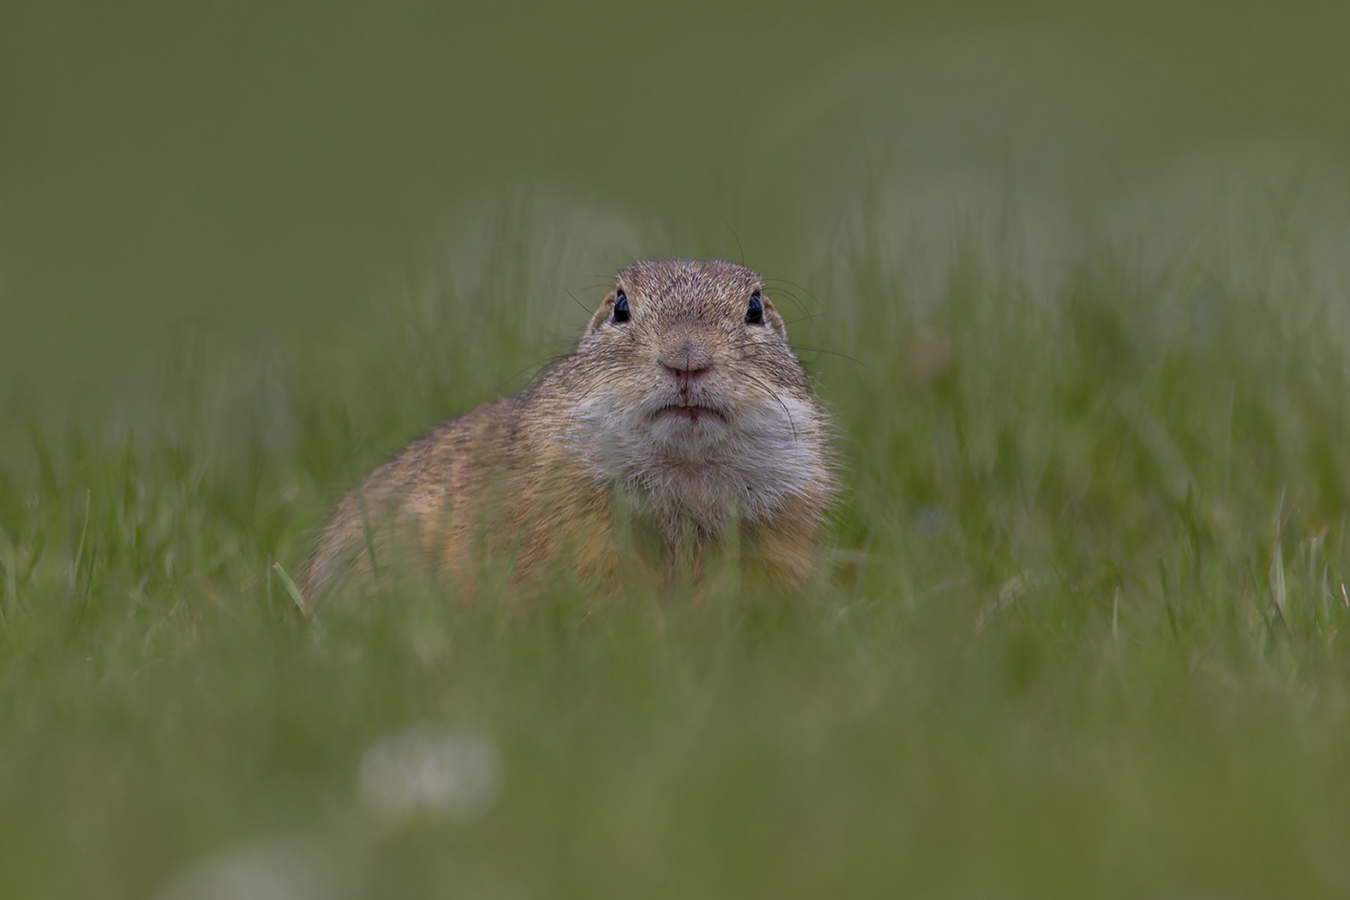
1072	279
275	167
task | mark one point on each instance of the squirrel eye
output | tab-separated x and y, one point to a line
754	313
621	307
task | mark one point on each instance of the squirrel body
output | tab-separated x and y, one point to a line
683	423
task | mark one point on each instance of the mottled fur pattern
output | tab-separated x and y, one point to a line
682	420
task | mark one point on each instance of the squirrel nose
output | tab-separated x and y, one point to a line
687	361
683	373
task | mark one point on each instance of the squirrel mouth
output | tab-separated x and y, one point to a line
683	410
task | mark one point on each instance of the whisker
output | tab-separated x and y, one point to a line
579	303
774	394
794	284
541	368
789	294
795	300
796	348
806	318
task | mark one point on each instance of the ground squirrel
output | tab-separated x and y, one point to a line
681	425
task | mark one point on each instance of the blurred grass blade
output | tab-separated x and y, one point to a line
291	588
77	613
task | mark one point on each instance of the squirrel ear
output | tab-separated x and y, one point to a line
603	313
771	314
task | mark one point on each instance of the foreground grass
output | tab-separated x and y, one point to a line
1082	640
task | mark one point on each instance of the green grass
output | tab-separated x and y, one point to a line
1082	640
1071	279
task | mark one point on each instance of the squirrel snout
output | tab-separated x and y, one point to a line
684	374
687	360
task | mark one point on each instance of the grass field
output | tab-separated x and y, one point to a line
1089	573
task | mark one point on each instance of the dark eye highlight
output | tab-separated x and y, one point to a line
621	308
754	313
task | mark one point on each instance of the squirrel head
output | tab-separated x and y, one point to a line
691	354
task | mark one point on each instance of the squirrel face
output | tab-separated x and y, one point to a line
688	360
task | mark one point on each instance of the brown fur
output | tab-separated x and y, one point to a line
598	460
